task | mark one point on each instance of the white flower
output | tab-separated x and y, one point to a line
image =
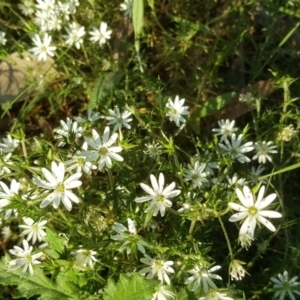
100	35
287	133
103	152
214	295
203	276
157	268
78	162
236	181
3	40
158	195
4	163
129	236
27	7
6	233
119	119
126	7
60	186
84	258
253	212
75	34
91	117
245	240
226	129
236	270
153	150
255	173
42	48
176	110
248	98
7	194
33	230
69	132
162	294
284	286
236	150
8	144
196	174
25	260
262	151
46	5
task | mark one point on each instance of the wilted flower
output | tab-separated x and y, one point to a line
236	270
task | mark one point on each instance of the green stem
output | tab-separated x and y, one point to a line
227	238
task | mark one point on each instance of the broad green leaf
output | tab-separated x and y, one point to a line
137	16
210	106
104	88
129	288
36	285
56	244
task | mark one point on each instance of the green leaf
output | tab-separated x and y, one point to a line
104	88
129	288
56	243
210	106
137	16
38	284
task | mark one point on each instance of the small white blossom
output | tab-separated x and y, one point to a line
42	48
119	119
3	40
287	133
33	230
202	276
236	270
253	212
25	258
176	110
129	236
236	181
69	132
126	7
8	144
60	186
226	129
91	117
236	150
26	7
153	150
102	150
7	194
262	151
284	286
255	173
100	35
196	174
215	295
4	163
157	267
158	195
6	233
75	34
84	258
78	162
162	294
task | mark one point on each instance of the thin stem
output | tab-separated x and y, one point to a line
227	238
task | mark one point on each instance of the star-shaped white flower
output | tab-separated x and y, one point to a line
119	119
157	267
103	152
61	187
236	149
25	258
158	195
42	48
176	110
7	194
84	258
226	129
202	276
253	212
33	230
100	35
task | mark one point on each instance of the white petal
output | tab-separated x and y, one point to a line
266	222
270	214
266	201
